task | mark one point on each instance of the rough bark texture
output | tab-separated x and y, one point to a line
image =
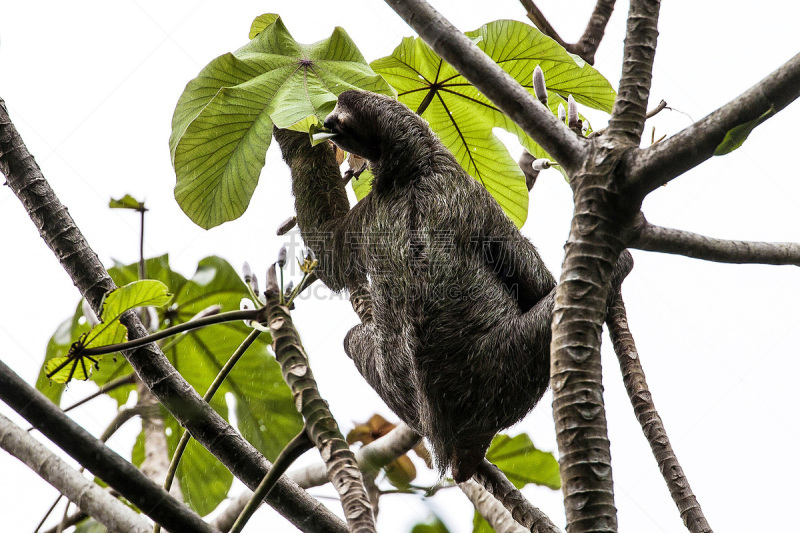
321	427
59	231
371	458
498	485
593	247
490	508
91	453
652	425
86	494
630	107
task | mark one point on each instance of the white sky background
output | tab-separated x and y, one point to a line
92	86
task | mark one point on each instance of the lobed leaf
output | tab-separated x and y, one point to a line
464	118
223	121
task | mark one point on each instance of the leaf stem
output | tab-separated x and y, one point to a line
212	389
230	316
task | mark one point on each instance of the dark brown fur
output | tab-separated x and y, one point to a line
459	344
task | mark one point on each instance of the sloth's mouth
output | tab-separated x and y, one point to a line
320	134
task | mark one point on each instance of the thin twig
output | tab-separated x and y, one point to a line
652	425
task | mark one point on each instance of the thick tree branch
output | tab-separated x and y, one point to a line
87	495
59	231
494	481
652	425
320	426
652	167
630	108
508	95
90	452
587	45
371	458
673	241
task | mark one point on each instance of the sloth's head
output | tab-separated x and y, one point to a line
371	125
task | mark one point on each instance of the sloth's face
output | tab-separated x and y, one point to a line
354	130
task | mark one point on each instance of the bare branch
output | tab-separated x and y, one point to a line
595	30
490	508
652	425
87	495
81	263
627	118
508	95
587	45
320	426
674	241
540	21
494	481
90	452
652	167
371	458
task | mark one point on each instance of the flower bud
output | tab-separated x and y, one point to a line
562	113
539	86
572	112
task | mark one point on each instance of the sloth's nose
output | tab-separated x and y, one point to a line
332	122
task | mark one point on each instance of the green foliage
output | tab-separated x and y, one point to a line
480	525
223	121
736	136
90	526
435	526
464	118
264	408
522	462
58	347
127	202
109	331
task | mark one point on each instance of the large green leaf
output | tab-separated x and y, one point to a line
57	348
222	124
463	118
522	462
264	409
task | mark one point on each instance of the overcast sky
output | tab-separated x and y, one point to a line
92	86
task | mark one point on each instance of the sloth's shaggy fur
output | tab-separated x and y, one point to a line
459	342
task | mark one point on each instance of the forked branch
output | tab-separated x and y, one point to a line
673	241
650	168
587	45
652	425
